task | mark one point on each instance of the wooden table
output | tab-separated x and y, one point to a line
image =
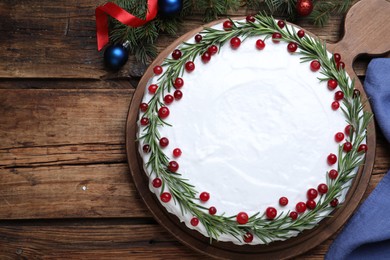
65	187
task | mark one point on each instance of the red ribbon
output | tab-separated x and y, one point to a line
122	16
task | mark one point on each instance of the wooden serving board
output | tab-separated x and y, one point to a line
366	32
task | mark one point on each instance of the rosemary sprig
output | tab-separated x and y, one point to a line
184	194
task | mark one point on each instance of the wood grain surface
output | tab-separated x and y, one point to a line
65	187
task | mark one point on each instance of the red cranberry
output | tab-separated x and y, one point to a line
194	221
339	137
173	166
165	197
301	33
178	94
248	237
333	174
283	201
198	38
281	24
242	218
164	142
260	44
334	203
157	183
363	148
271	213
143	107
322	188
332	84
176	54
157	70
300	207
235	42
204	196
312	194
212	210
311	204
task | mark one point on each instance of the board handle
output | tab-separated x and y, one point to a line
366	31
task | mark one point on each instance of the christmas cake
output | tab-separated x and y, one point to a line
251	131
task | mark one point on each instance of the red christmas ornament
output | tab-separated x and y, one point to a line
304	7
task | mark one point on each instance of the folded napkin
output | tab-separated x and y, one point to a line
367	233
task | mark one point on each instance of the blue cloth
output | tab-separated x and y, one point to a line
367	233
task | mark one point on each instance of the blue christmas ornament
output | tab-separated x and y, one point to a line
115	56
169	7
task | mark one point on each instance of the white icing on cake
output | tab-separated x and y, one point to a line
253	126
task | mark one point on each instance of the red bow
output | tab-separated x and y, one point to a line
122	16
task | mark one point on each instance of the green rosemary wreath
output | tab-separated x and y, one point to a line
185	195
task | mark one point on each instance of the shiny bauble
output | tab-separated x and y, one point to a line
169	8
304	7
115	56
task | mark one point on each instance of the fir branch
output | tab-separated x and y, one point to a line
323	9
142	39
185	194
